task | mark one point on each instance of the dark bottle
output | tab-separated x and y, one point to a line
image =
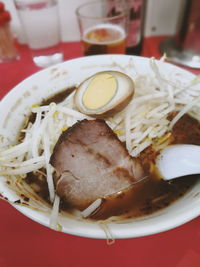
188	34
135	26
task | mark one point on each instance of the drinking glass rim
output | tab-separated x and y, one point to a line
34	4
124	12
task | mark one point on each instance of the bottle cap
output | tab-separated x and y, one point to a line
4	15
2	7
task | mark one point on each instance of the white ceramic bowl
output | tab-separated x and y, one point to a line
15	105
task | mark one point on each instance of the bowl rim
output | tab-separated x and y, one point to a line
128	231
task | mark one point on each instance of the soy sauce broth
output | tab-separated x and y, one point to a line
152	195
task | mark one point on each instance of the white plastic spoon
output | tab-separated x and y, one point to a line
178	160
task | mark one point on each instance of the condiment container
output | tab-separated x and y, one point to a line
8	51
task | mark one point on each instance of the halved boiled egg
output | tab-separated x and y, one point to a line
104	93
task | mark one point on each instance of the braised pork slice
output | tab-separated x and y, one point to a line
91	162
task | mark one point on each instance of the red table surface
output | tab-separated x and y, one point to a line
23	242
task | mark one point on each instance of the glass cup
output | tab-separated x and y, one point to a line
103	29
40	23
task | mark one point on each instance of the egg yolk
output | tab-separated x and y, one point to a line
100	91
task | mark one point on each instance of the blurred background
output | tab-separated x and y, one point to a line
161	18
